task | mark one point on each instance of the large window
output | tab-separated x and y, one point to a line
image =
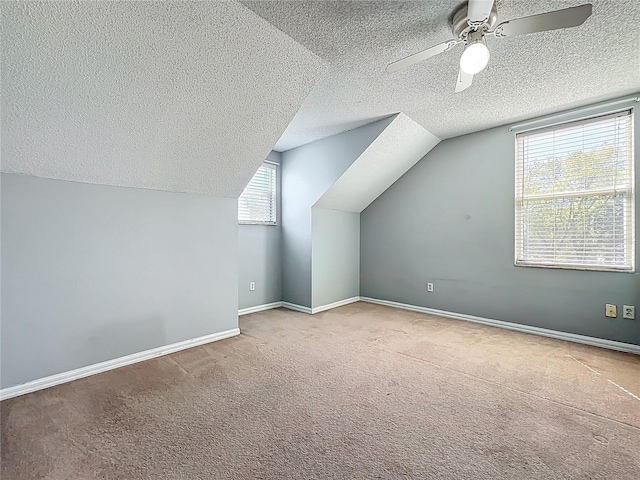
574	195
257	204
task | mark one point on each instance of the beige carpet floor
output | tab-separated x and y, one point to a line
362	391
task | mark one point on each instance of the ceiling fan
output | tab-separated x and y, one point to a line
474	20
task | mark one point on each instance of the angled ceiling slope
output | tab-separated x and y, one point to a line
528	75
177	96
398	148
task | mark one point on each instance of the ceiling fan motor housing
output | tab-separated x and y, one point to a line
459	21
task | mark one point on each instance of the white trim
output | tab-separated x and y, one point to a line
78	373
574	114
259	308
329	306
570	337
321	308
297	308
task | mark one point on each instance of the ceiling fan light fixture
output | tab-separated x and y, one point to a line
475	58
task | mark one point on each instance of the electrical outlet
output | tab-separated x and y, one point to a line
610	310
252	286
629	312
429	287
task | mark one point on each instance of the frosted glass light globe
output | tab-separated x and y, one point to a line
475	58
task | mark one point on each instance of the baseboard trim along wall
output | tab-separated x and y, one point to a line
570	337
297	308
259	308
269	306
321	308
340	303
89	370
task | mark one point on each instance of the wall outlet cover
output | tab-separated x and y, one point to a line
429	287
629	312
610	310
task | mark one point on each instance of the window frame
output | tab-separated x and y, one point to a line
549	124
272	166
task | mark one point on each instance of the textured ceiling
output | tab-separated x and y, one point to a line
398	148
179	96
528	76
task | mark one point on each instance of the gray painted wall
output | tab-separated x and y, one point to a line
259	256
259	261
450	220
91	272
335	255
307	172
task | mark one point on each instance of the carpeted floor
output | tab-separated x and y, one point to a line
362	391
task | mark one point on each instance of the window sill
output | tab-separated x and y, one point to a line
258	224
591	268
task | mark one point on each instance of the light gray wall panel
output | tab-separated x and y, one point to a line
335	255
259	256
450	220
307	172
260	262
91	273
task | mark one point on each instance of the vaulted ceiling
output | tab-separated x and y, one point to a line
177	96
192	96
527	76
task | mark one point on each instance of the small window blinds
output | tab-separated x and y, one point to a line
257	204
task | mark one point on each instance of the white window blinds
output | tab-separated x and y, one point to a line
257	204
574	195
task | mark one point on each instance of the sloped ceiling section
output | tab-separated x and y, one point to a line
178	96
398	148
528	76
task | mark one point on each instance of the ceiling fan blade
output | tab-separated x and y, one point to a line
566	18
464	81
479	10
420	56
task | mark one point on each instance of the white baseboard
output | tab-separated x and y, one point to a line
321	308
259	308
329	306
297	308
570	337
78	373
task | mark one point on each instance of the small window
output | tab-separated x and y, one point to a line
257	204
574	195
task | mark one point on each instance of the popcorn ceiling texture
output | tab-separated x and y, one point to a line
528	76
398	148
178	96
